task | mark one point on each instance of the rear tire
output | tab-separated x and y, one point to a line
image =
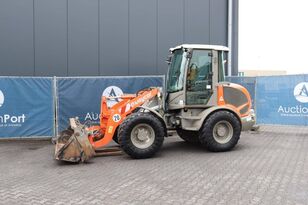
141	135
189	136
220	132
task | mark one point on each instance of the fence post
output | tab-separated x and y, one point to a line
255	99
55	98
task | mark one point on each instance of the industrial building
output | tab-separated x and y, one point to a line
108	37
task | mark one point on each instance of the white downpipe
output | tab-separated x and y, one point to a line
230	3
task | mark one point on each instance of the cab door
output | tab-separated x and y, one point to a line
199	84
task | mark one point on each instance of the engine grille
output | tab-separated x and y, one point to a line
236	98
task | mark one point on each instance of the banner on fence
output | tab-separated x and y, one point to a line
81	97
26	107
282	100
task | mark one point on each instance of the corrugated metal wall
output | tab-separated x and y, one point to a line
103	37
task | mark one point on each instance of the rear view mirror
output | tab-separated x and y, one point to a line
168	60
188	54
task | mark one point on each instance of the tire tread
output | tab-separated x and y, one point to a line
206	136
189	136
124	135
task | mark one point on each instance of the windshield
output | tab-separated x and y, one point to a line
176	72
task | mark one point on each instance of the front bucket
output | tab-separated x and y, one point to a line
73	145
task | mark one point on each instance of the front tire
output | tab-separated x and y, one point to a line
141	135
220	132
115	136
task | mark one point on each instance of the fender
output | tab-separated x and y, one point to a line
206	113
157	114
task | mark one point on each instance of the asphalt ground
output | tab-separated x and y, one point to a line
266	167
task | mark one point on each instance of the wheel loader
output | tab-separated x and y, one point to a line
196	103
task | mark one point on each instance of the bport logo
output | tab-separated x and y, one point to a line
301	92
1	98
9	120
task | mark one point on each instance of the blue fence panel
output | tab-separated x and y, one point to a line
282	100
26	107
248	82
81	97
26	103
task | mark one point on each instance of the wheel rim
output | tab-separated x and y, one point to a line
142	136
223	132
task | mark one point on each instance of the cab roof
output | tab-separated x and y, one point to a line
201	46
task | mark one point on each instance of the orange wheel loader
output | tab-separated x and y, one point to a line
196	103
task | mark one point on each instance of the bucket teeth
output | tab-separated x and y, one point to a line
73	144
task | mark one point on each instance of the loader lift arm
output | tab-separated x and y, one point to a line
111	118
80	143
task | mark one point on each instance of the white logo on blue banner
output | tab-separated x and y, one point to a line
112	91
301	92
1	98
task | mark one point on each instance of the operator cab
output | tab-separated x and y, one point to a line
194	70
